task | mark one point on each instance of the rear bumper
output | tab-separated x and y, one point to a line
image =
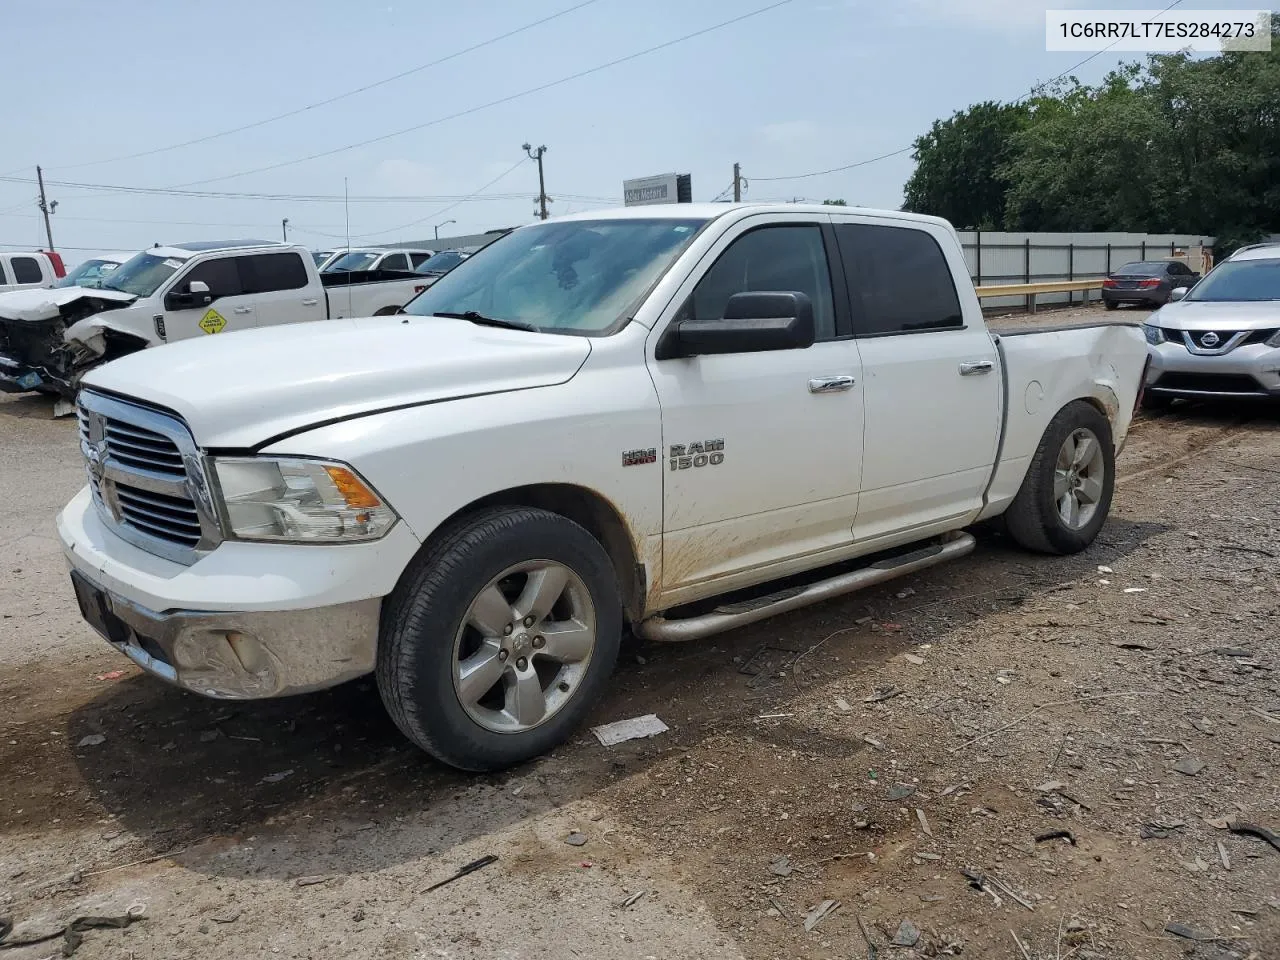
1247	372
1156	297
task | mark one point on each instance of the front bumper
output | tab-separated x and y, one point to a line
19	377
246	621
1248	371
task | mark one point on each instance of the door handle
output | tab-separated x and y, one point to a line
310	302
243	310
830	384
975	368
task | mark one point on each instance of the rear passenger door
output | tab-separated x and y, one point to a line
281	288
931	376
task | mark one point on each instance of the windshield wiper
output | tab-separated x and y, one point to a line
482	320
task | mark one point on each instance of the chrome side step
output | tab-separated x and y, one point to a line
740	614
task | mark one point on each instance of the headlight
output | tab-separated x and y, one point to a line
307	501
1154	335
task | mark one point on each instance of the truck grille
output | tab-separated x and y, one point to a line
170	518
146	477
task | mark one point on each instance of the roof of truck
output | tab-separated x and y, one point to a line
183	251
709	211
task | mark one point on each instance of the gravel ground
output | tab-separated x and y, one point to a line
881	744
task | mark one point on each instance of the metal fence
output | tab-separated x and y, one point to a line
997	258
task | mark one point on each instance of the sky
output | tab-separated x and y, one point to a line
115	94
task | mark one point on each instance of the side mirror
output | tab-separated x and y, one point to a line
196	295
1178	293
753	323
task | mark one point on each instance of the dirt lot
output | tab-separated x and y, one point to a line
881	744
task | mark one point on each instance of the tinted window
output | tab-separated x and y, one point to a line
222	276
899	281
1248	280
352	262
397	261
441	263
771	259
1143	269
268	272
26	270
4	277
1180	269
418	259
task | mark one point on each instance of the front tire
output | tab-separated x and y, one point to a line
1066	495
499	638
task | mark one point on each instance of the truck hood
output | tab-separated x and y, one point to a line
36	306
1209	315
242	389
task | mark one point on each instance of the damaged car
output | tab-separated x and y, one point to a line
49	338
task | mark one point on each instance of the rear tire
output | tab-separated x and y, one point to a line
1110	304
388	311
1156	401
499	638
1066	495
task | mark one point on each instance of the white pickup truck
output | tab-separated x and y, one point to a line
643	417
24	271
50	338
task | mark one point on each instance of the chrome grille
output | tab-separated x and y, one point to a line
171	518
147	477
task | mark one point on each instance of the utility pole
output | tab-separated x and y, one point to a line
46	207
737	183
542	183
284	229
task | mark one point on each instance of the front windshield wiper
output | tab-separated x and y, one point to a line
482	320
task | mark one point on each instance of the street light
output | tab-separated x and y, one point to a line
445	224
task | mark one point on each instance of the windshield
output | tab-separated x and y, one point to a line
352	261
141	276
1143	269
1247	280
88	274
578	276
441	262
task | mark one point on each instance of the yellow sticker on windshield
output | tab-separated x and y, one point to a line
213	322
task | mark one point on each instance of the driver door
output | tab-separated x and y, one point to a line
762	452
227	307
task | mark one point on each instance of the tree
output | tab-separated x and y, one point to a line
1087	161
834	203
1173	144
959	163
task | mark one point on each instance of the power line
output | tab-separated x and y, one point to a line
334	99
493	103
160	223
435	213
1030	93
294	197
36	247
